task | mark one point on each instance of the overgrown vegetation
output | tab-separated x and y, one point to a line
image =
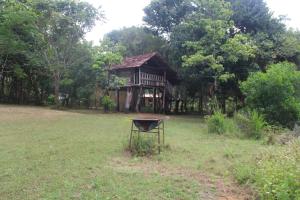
250	123
275	172
107	103
143	145
216	123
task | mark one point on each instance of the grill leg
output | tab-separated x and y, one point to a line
130	139
163	129
158	140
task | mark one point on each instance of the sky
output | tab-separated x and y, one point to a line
126	13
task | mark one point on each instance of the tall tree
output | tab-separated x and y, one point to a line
163	15
137	40
20	40
63	25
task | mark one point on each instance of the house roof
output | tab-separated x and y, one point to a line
135	61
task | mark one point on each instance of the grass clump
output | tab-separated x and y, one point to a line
217	123
143	145
107	103
251	123
275	173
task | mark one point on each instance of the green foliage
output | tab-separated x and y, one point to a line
252	16
275	172
107	103
143	146
163	15
250	123
239	48
230	107
108	54
137	41
275	93
51	99
216	123
213	21
243	172
42	45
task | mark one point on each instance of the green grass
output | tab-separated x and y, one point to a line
47	154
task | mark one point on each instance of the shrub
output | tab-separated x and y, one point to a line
143	146
251	123
51	99
107	103
230	107
275	172
275	93
243	172
216	123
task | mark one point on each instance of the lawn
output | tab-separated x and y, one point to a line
48	154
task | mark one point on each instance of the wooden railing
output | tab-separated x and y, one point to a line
151	79
147	79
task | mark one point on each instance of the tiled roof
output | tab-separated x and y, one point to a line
135	61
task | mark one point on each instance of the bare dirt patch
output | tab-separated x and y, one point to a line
223	190
15	113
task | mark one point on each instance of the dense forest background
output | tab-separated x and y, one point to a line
213	45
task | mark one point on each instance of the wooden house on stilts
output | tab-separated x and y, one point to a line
149	82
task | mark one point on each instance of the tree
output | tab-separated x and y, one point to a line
79	80
108	54
253	16
213	51
137	41
162	16
63	24
20	40
276	93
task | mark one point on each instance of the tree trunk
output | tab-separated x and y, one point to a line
56	87
2	87
185	105
181	106
176	105
200	106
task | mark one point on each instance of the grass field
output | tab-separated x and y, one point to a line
48	154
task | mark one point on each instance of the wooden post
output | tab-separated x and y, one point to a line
164	92
154	100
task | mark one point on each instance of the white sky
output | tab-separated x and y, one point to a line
126	13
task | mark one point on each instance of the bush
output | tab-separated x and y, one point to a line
216	123
275	93
250	123
275	173
230	107
107	103
51	99
143	146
